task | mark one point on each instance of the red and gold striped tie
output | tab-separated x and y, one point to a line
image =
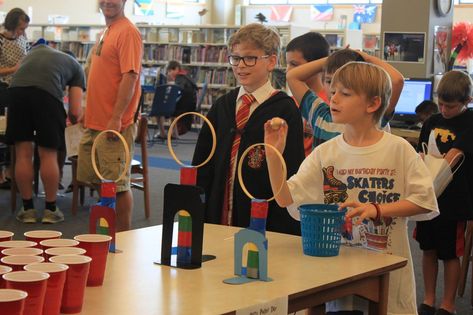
241	119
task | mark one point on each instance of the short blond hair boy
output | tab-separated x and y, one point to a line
258	35
368	79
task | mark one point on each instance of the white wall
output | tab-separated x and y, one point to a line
86	11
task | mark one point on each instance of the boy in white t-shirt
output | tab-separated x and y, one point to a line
377	175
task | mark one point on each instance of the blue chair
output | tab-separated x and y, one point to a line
165	99
164	103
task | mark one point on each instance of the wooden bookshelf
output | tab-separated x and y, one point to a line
201	49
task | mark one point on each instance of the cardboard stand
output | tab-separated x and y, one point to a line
102	218
187	202
255	235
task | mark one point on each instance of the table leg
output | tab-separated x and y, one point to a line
317	310
381	307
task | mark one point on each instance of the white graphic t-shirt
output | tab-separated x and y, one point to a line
385	172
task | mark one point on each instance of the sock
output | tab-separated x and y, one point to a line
51	205
28	204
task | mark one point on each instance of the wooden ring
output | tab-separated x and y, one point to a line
127	155
240	164
212	130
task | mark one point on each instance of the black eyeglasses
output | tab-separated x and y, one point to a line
249	61
98	49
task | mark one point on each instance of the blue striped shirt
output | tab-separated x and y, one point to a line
317	113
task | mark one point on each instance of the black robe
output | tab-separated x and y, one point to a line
212	176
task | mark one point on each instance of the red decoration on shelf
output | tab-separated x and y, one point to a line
462	40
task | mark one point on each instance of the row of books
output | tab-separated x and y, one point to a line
186	35
185	54
67	33
211	55
221	76
81	51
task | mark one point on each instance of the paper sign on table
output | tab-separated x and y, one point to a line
274	307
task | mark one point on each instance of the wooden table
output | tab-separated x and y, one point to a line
134	285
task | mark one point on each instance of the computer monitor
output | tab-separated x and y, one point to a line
413	93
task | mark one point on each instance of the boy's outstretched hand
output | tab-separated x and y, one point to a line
361	210
275	133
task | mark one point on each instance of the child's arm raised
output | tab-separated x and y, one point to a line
402	208
397	79
275	135
298	76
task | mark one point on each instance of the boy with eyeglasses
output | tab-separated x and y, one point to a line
238	118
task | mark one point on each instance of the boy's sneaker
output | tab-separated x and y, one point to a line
425	309
26	216
52	216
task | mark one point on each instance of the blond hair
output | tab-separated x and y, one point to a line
366	79
260	36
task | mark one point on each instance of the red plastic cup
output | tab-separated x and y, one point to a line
23	251
97	246
12	244
12	302
6	236
4	270
34	283
58	242
57	278
76	279
18	262
41	235
59	251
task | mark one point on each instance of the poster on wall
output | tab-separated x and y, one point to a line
441	57
404	47
144	7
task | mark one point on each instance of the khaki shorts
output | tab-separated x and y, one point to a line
110	158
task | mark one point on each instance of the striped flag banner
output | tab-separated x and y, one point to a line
321	12
281	13
364	13
144	7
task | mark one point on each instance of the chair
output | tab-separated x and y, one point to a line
139	170
200	100
465	263
140	181
164	101
201	97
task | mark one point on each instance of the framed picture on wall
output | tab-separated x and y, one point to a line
404	47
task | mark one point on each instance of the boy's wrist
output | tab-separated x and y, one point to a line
377	218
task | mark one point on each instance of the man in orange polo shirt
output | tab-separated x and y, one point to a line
113	92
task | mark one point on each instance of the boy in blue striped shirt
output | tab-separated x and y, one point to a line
316	110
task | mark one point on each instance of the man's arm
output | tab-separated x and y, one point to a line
397	79
126	90
298	76
75	104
